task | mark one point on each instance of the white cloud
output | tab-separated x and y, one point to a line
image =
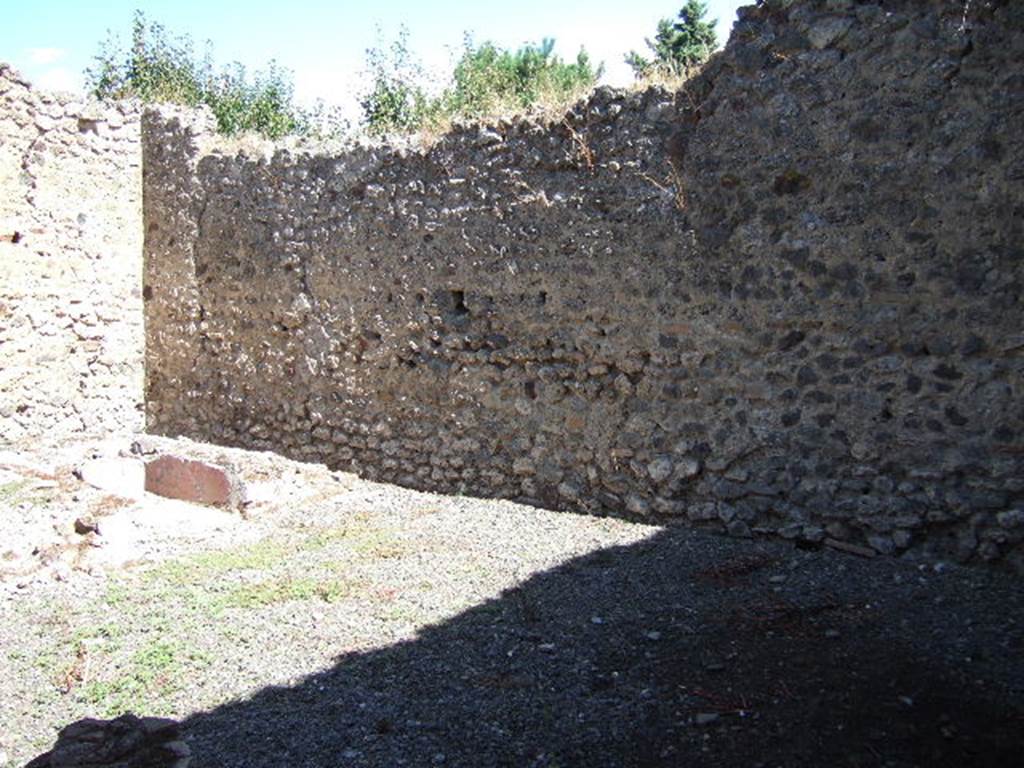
328	84
46	55
59	79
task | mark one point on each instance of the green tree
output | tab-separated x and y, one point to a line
156	68
159	67
487	81
264	105
396	101
678	45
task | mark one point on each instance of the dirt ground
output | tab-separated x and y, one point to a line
336	622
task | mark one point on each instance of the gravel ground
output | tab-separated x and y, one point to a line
345	623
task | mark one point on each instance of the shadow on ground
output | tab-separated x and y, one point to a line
685	649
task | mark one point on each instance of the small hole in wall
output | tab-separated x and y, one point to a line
530	389
419	298
147	292
542	298
16	237
153	227
459	302
427	238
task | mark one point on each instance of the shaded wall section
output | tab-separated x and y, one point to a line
785	299
71	335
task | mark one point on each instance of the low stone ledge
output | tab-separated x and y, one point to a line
120	476
125	742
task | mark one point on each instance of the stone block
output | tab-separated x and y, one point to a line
190	480
125	741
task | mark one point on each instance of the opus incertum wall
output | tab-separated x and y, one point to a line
71	336
786	299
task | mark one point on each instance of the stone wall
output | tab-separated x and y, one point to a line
71	335
785	299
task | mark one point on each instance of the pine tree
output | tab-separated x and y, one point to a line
679	45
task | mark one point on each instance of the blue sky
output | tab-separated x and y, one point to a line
323	42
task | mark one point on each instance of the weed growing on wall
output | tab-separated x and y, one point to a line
160	67
487	81
396	101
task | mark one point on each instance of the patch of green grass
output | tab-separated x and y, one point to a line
47	661
11	490
400	613
200	587
325	537
379	544
107	633
205	566
283	590
117	594
130	649
25	491
151	675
